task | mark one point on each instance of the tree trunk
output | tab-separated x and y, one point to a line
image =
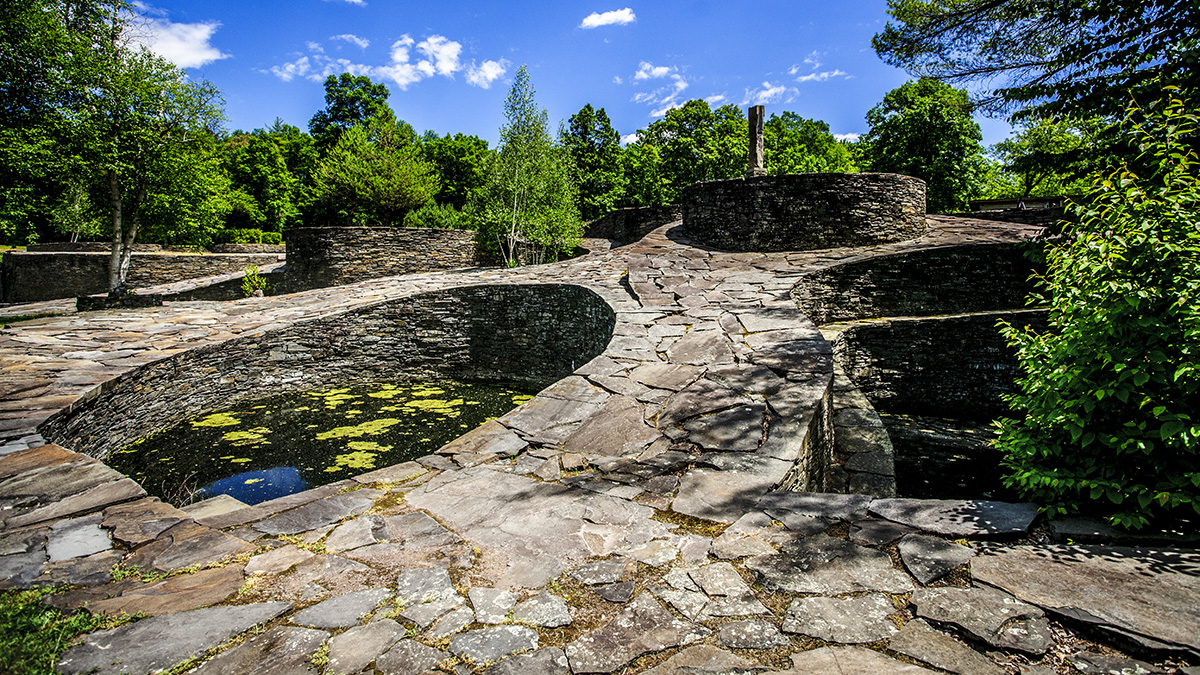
115	277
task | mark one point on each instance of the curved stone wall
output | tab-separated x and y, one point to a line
331	256
953	280
803	212
536	334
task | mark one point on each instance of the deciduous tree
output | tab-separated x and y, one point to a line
595	149
793	144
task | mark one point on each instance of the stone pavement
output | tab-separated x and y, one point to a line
660	511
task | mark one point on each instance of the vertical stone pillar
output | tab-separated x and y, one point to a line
756	143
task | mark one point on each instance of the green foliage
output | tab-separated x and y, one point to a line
696	143
267	190
34	634
645	185
1107	409
1047	60
460	160
1046	158
528	197
440	216
595	149
374	175
247	236
350	101
924	129
252	281
793	144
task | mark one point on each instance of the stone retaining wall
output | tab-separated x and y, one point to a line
629	225
1044	217
248	248
33	277
955	366
954	280
332	256
802	212
531	334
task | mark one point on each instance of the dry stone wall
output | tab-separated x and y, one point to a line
332	256
534	334
33	277
629	225
804	212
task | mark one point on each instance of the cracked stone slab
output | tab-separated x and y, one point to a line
282	650
702	397
277	560
159	642
703	660
922	642
719	579
877	532
545	661
451	622
341	611
958	518
425	584
829	506
698	348
751	634
185	545
544	609
621	591
725	496
409	657
91	499
930	558
1147	592
738	429
823	565
643	626
489	437
845	620
418	530
138	522
494	643
351	651
357	532
180	593
616	429
990	615
669	376
601	572
491	605
319	513
76	538
851	660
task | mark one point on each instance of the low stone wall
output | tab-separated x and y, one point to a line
248	248
33	277
332	256
1047	218
525	333
954	366
626	226
802	212
955	280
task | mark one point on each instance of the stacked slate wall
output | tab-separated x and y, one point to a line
332	256
626	226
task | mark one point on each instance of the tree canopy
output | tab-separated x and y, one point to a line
924	128
595	149
696	143
350	100
794	144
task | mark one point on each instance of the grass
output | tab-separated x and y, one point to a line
26	317
33	634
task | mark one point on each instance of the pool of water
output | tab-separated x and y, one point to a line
273	447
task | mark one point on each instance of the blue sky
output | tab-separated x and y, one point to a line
449	64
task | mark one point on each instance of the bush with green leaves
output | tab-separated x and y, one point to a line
440	216
1106	412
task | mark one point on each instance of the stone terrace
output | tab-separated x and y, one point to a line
648	513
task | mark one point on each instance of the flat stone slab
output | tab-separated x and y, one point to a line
342	611
703	660
282	650
602	572
213	506
1155	593
823	565
157	643
544	609
180	593
278	560
643	626
850	661
138	522
846	620
188	544
491	436
494	643
418	530
545	661
1091	663
725	496
738	429
751	634
827	505
922	642
929	558
351	651
877	532
76	538
719	579
990	615
617	428
357	532
956	517
315	514
409	657
492	605
621	591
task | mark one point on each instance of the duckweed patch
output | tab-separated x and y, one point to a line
269	448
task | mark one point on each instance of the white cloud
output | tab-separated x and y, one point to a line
770	94
852	137
618	17
617	79
351	38
441	56
668	105
315	47
486	73
716	98
289	71
629	138
647	71
360	3
823	76
184	44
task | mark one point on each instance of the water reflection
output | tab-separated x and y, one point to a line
253	487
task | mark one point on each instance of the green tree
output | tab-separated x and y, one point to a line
267	190
1106	412
697	143
374	175
924	128
645	184
1048	58
529	194
350	101
793	144
1047	158
595	149
460	160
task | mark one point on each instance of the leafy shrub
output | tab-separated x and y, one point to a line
239	237
252	281
273	238
1106	409
444	217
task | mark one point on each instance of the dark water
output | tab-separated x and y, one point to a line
939	458
273	447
